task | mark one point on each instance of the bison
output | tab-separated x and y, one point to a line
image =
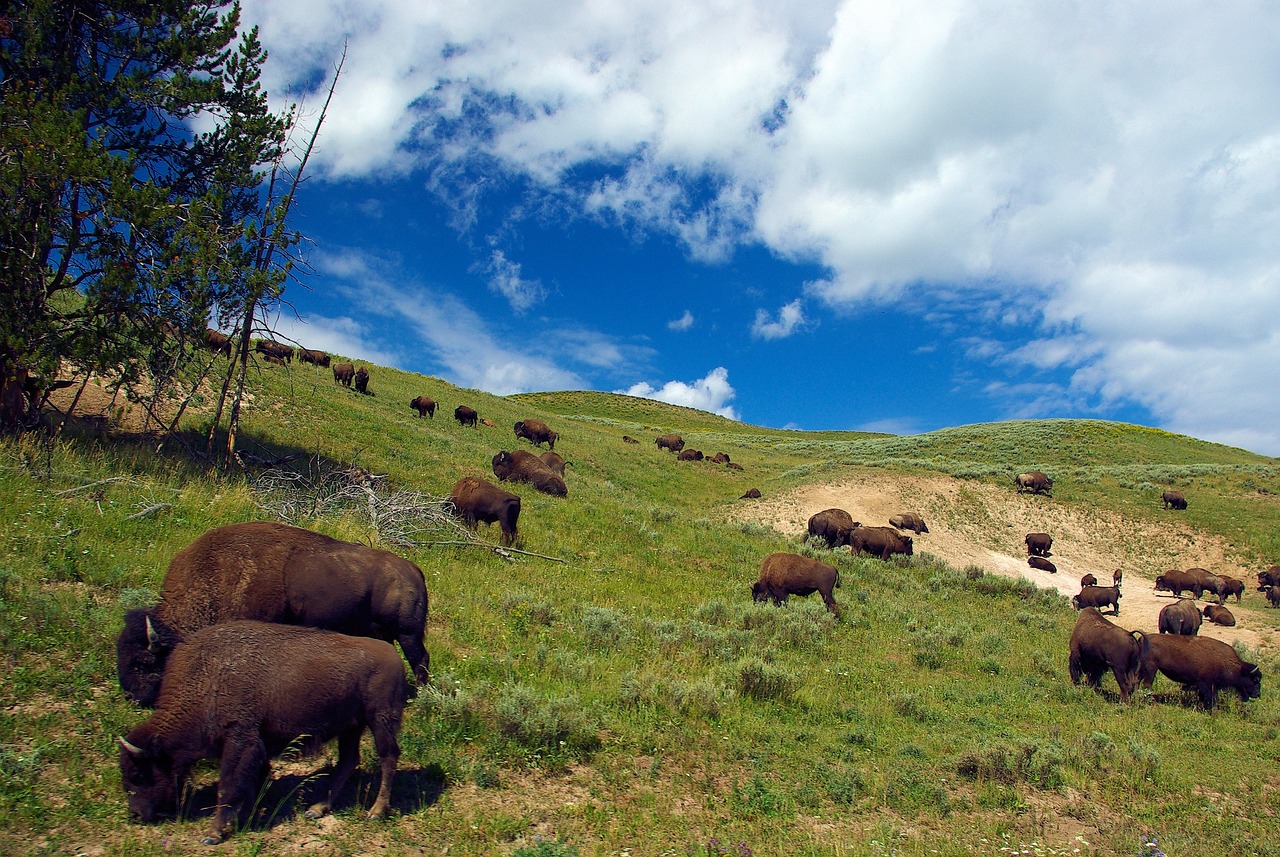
879	541
1230	586
343	373
271	348
1203	664
626	438
1116	577
217	341
476	500
1087	580
1219	615
243	692
1033	481
362	380
536	432
425	406
316	358
1180	617
689	455
673	442
1038	544
555	461
1273	595
1193	580
909	521
1269	578
1173	500
785	574
1099	597
274	573
271	358
834	526
1044	565
521	466
1098	645
751	494
720	458
465	416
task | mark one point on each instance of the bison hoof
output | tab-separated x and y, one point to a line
211	840
378	812
318	810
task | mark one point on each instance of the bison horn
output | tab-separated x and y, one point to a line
136	751
152	637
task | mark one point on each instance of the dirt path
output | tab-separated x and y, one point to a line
984	525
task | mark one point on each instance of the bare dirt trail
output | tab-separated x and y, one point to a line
985	525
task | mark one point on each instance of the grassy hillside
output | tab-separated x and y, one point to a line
613	689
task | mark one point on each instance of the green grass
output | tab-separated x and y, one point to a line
632	697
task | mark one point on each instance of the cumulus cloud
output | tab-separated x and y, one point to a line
711	393
790	318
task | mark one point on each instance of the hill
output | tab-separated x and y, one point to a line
613	689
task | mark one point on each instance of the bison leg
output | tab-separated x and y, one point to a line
348	758
388	748
830	601
243	767
415	652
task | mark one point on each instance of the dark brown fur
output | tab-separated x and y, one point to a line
1038	544
909	521
1202	663
1097	596
476	500
465	416
673	442
1098	645
880	541
834	526
689	455
316	358
536	432
425	406
243	692
271	348
521	466
1173	500
785	574
1044	565
343	373
1033	481
362	380
216	341
554	460
1088	580
751	494
1219	615
1180	617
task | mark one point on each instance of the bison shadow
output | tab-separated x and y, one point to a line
288	795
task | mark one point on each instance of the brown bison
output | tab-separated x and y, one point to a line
476	500
673	442
316	358
1033	481
1203	664
1088	580
1273	595
785	574
879	541
1098	645
1116	577
271	358
733	465
909	521
343	373
834	526
244	692
271	348
720	458
1099	597
274	573
626	438
1269	578
1044	565
554	460
425	406
1219	615
362	380
521	466
1173	500
1230	586
216	341
689	455
751	494
1180	617
1193	580
488	423
536	432
1038	544
465	416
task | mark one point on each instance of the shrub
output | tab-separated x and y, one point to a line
758	680
604	627
540	723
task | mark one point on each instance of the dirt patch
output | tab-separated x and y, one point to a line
978	524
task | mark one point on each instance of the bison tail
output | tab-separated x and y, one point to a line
837	577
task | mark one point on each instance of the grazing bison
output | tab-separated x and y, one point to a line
316	358
909	521
425	406
521	466
879	541
554	460
1219	615
626	438
1193	580
1044	565
1033	481
1273	595
1116	577
362	380
243	692
720	458
1087	580
1098	645
751	494
343	373
1097	596
1173	500
271	358
784	574
536	432
216	341
465	416
834	526
1203	664
274	573
1269	578
689	455
271	348
673	442
476	500
1230	586
1180	617
1038	544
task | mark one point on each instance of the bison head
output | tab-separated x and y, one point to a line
759	592
141	649
150	787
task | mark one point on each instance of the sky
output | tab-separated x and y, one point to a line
833	215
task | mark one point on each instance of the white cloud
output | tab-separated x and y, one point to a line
505	278
711	393
790	317
682	323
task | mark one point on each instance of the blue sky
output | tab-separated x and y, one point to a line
893	217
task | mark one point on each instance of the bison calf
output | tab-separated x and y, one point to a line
1097	645
785	574
243	692
1203	664
1219	615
